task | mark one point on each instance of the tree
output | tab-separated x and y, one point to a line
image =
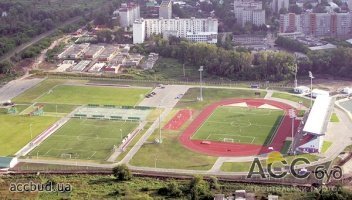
104	36
199	188
214	183
291	44
283	11
295	9
5	67
122	173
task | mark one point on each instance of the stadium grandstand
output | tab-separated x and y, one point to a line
310	136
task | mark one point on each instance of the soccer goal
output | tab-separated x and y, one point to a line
228	139
66	155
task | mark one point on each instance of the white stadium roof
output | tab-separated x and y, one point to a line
318	116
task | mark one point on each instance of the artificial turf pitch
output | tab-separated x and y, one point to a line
241	125
69	94
85	139
16	131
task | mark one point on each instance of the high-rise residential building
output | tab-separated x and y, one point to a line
128	13
249	11
139	34
317	24
165	9
204	29
277	5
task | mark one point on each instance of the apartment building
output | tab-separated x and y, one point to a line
317	24
128	13
144	28
165	9
248	11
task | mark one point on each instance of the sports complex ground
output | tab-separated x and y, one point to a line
87	139
229	122
244	131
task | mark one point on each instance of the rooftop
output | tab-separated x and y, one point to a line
319	115
165	3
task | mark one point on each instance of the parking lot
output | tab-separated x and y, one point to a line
165	97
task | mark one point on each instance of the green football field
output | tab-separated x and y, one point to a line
238	124
69	94
85	139
54	92
17	131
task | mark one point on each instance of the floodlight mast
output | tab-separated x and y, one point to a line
311	88
201	69
292	115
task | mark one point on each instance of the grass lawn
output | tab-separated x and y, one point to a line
326	146
172	69
241	125
285	148
287	96
210	95
69	94
236	166
34	92
170	154
15	131
334	118
85	139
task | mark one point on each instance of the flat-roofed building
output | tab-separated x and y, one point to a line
108	53
74	51
97	67
93	51
80	66
128	13
317	24
176	27
165	9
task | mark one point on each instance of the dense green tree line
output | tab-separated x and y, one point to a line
291	44
336	62
272	66
23	20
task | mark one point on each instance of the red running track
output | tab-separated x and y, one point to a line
178	120
237	149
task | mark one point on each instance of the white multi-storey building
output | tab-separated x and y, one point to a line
128	14
248	11
138	31
165	9
317	24
176	27
256	17
208	37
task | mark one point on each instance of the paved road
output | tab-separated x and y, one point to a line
20	48
118	151
16	87
268	94
340	134
145	137
288	102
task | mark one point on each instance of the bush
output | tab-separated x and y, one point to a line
214	183
122	173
